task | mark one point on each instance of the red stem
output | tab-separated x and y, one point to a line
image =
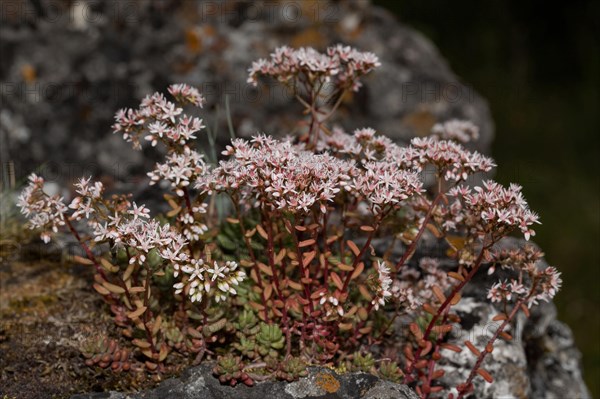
442	309
87	250
467	384
411	249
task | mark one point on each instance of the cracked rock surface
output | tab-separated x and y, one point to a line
198	382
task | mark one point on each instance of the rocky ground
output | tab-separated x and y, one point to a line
66	69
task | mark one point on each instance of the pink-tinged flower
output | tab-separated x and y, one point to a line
278	175
43	211
147	235
500	292
139	211
180	169
457	130
492	208
364	145
339	65
547	284
200	280
159	120
453	161
385	183
331	304
384	285
187	94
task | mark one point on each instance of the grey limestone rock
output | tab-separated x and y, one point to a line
198	383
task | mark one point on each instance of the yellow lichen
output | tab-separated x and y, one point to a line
327	382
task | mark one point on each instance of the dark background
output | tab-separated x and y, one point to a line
537	63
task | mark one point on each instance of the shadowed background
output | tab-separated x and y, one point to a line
538	67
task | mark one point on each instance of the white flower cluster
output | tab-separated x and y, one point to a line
384	183
85	204
163	120
43	211
179	169
279	174
384	285
533	284
363	145
287	177
452	160
340	65
144	236
201	278
457	130
491	208
187	94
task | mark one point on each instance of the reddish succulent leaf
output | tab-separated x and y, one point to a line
357	271
100	289
344	267
436	232
437	374
500	317
472	348
365	330
308	258
280	255
307	243
429	309
486	376
451	347
365	292
353	247
82	260
109	266
256	306
456	276
265	269
115	289
128	272
140	343
336	280
268	290
455	299
294	285
262	232
427	348
416	330
137	313
437	291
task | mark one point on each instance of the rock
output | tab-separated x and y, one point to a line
68	68
198	382
540	362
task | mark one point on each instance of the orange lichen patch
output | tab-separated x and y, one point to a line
28	73
327	382
193	40
420	121
308	37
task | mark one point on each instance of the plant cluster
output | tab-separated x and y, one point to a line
291	278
